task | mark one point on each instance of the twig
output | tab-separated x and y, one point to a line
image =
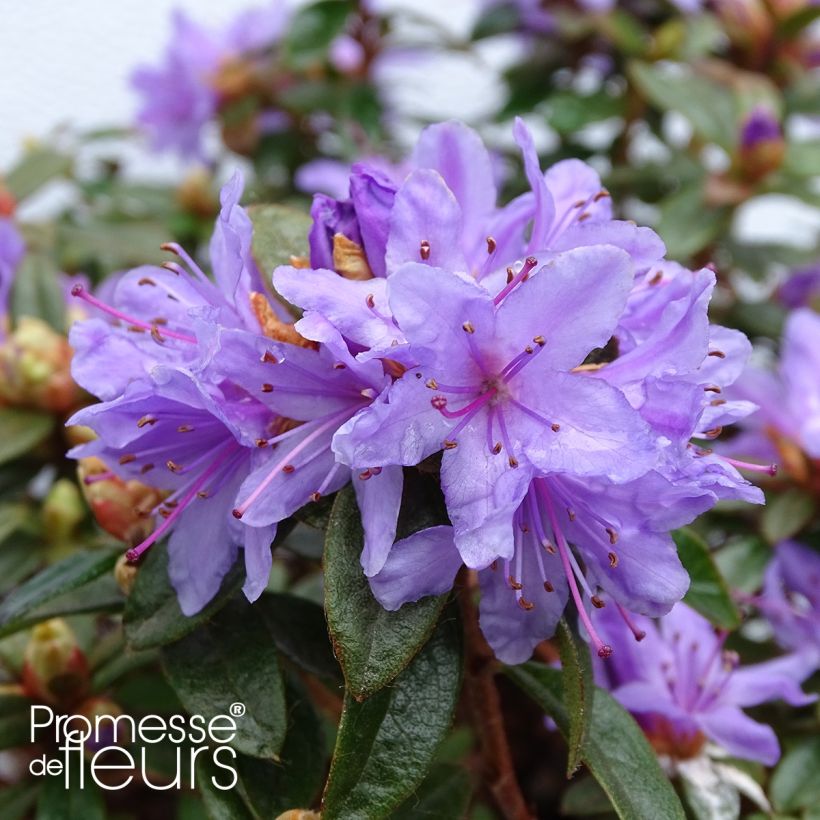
485	708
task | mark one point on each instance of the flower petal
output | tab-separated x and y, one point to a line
379	498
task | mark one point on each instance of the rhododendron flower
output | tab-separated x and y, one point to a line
182	95
684	687
789	400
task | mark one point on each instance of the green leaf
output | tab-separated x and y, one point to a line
708	592
372	644
578	688
15	721
444	795
312	30
231	659
709	107
803	158
152	615
386	744
569	112
279	232
743	561
37	291
795	784
266	789
299	630
74	803
615	749
67	587
687	225
35	169
21	431
786	514
17	801
584	797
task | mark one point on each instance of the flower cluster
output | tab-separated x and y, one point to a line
542	356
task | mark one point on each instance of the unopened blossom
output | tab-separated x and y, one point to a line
788	398
200	70
802	288
761	145
684	687
790	599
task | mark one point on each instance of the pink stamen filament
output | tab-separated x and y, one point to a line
516	365
768	469
134	553
638	633
470	408
529	263
287	459
80	292
603	650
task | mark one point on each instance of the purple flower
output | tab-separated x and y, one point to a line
789	400
791	598
801	288
12	250
198	443
684	687
180	97
759	127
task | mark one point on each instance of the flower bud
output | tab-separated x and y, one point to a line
62	510
54	668
8	203
125	574
109	734
747	22
195	195
762	147
35	363
121	508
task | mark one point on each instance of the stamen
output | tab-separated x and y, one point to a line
80	292
719	354
93	479
529	263
638	633
603	650
613	559
613	536
491	245
468	327
768	469
178	250
424	250
712	388
146	420
286	461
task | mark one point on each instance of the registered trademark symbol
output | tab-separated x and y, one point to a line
237	709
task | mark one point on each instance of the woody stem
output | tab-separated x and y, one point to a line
485	708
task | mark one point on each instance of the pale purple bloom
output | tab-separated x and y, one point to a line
791	598
789	399
179	97
199	442
12	250
684	687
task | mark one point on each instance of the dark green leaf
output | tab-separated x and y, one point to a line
707	593
312	29
372	644
231	659
742	562
15	721
21	431
74	803
266	789
584	797
386	744
17	801
615	750
786	514
108	244
67	587
35	169
152	615
444	795
299	631
795	784
578	688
